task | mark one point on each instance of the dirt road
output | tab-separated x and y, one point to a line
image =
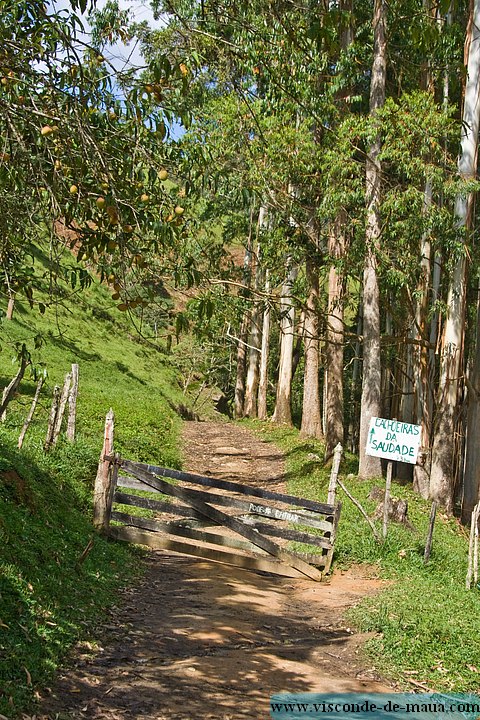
203	640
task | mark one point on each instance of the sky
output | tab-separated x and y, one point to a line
120	55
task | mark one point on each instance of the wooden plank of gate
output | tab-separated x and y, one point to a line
186	512
183	531
157	542
298	517
287	534
322	508
148	504
236	525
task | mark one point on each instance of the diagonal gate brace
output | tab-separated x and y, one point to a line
223	519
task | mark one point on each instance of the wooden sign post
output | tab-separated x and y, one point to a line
394	441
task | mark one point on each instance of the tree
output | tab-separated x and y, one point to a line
371	382
67	117
443	451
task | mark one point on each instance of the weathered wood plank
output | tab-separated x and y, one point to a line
185	531
133	484
265	511
317	560
287	534
72	404
157	542
272	513
322	508
158	505
214	514
189	513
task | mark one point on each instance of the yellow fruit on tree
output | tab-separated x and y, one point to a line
163	174
144	197
112	214
46	130
179	210
101	202
73	189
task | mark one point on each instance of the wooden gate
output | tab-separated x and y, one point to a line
165	509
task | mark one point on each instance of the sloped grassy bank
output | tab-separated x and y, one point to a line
49	596
426	624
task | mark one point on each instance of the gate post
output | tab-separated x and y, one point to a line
332	487
104	481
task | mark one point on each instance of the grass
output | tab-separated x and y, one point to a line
425	624
48	599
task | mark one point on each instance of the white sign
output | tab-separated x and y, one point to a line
393	440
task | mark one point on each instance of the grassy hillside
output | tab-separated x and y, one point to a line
426	624
48	597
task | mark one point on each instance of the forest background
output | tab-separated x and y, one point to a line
313	225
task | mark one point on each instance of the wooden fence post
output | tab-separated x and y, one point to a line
428	544
473	548
61	408
12	387
52	418
332	487
29	417
72	404
386	503
104	479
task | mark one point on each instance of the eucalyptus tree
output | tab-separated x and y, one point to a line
363	135
443	451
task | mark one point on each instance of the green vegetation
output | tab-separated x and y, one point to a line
49	598
425	622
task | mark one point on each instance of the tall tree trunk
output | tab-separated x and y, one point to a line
371	382
354	405
334	346
241	366
264	355
311	415
424	357
283	409
443	451
240	380
251	388
471	487
334	431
